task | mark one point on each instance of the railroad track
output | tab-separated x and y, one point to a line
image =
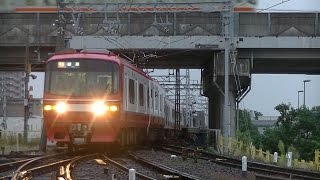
264	171
166	171
32	167
65	172
13	164
58	163
16	165
123	168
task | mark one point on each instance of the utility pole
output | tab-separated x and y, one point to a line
61	22
27	70
228	36
304	91
188	109
177	101
4	102
299	98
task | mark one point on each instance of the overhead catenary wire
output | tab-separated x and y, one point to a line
275	5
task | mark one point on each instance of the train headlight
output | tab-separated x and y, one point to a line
99	108
61	107
113	108
48	107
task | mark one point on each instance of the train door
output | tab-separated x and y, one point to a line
149	105
125	94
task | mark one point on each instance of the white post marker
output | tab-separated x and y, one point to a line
132	174
17	143
244	166
275	157
289	159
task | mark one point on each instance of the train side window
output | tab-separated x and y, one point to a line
151	99
161	102
173	113
156	99
148	98
141	95
132	93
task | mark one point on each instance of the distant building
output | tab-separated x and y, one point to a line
15	108
264	122
15	126
11	85
12	114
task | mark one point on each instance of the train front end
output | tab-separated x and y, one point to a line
82	99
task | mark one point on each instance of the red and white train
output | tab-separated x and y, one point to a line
98	97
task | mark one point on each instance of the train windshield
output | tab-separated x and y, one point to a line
78	77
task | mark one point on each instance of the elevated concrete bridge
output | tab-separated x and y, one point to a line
263	43
289	40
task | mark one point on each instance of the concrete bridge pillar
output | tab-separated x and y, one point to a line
213	86
216	104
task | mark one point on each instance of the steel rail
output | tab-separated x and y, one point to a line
165	169
10	165
253	166
124	169
22	171
68	170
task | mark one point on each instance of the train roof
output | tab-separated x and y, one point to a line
96	54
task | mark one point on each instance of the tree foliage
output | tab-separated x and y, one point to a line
297	131
247	132
257	114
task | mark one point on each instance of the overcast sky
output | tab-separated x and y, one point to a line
270	90
296	5
267	90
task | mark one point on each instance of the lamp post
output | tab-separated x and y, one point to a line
299	97
304	91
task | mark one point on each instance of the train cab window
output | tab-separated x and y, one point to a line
82	77
132	98
141	94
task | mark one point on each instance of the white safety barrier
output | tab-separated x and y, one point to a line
275	157
244	166
289	159
132	174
